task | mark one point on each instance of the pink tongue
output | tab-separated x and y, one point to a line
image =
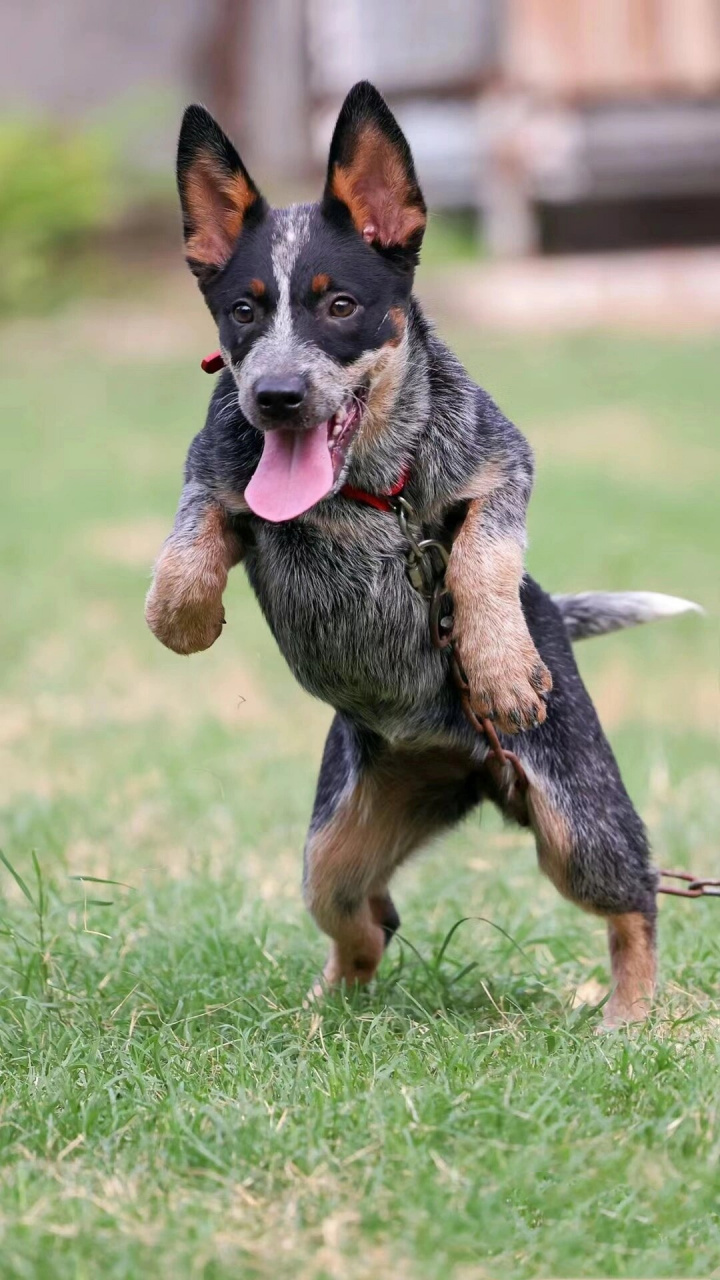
294	472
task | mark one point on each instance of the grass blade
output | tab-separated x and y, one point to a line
18	879
100	880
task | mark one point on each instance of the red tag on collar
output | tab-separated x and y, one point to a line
212	363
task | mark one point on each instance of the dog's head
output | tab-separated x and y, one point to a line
311	302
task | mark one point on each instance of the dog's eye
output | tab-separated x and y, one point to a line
342	307
243	312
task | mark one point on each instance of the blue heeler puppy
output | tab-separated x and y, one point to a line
336	390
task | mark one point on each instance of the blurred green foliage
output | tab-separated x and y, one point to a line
57	188
452	236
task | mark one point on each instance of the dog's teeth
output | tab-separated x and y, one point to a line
340	420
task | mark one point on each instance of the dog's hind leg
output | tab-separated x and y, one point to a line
591	842
634	966
595	852
374	806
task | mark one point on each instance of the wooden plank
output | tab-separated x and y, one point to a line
689	38
604	48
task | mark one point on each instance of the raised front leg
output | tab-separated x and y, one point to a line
184	607
508	680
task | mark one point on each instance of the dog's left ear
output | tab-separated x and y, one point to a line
218	196
371	175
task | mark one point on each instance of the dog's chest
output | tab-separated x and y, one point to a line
350	625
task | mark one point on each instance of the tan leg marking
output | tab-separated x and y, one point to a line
634	966
351	856
631	935
184	606
506	675
351	859
552	836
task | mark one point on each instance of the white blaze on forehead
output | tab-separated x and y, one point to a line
290	235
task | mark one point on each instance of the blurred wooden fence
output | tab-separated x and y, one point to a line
511	106
613	48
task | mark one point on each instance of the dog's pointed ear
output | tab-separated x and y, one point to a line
217	194
371	175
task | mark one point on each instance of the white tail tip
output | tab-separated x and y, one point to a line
653	604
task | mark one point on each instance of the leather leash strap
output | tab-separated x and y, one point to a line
696	888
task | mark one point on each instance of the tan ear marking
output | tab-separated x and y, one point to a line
217	202
382	201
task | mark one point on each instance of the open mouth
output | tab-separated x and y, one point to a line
343	427
300	466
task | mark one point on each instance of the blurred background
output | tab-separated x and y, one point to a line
570	153
538	127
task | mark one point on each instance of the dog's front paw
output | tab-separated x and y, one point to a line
184	607
185	624
513	694
188	628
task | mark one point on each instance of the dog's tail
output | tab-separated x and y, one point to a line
595	613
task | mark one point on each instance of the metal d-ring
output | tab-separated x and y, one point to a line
442	616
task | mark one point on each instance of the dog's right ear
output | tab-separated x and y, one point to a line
217	194
371	176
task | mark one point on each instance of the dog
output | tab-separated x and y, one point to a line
336	396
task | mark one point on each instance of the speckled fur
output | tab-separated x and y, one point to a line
333	588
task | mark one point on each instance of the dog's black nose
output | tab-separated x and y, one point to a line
280	397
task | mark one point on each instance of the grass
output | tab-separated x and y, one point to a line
168	1106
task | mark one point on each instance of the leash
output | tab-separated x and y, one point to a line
695	888
427	562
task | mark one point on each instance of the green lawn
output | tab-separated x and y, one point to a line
167	1106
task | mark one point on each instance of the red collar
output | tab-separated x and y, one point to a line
380	501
